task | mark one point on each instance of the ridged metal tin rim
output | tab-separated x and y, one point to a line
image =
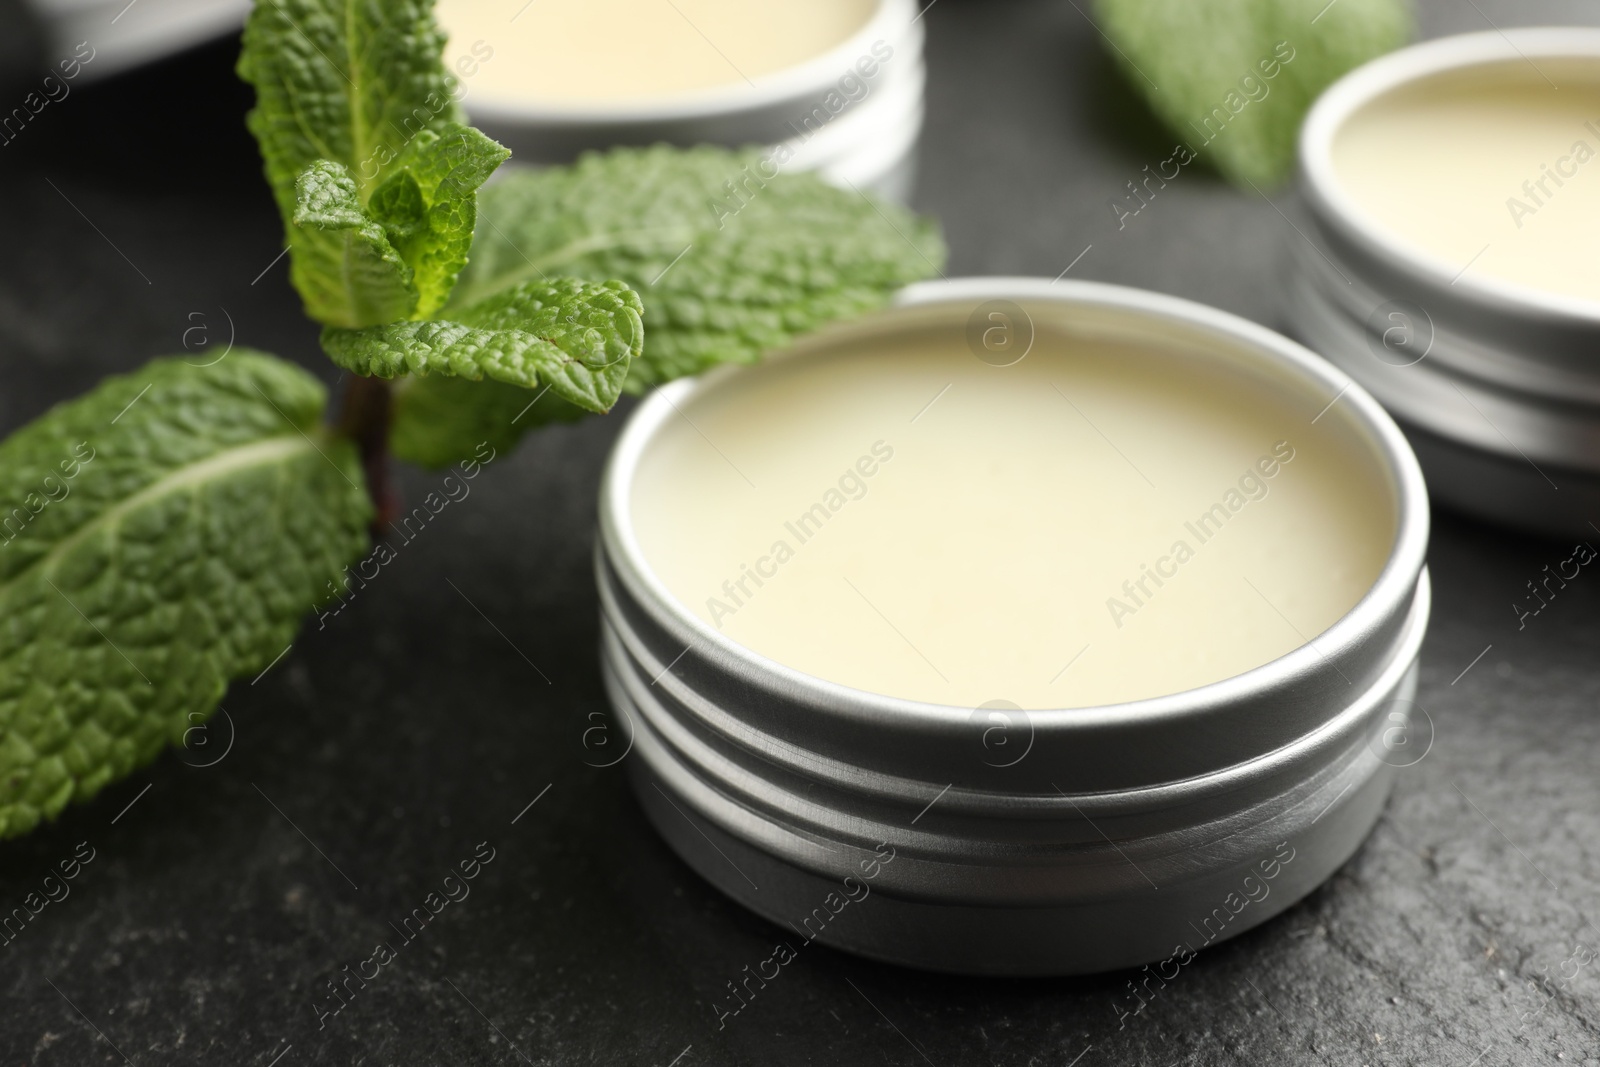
1509	360
891	21
1339	730
1456	392
1497	433
1338	211
1372	620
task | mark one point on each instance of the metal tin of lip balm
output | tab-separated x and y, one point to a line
1495	382
1128	833
853	113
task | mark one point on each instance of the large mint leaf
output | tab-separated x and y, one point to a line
348	81
158	537
730	262
1234	78
344	266
575	337
429	206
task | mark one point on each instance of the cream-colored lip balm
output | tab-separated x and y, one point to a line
1098	523
1491	170
609	51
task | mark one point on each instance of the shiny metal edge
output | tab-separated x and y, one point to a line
1507	457
751	758
1141	922
855	128
1546	501
1435	393
1293	673
1561	377
1506	309
1040	850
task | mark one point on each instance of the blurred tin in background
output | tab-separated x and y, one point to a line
1494	378
833	87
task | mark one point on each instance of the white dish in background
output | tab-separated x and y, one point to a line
128	34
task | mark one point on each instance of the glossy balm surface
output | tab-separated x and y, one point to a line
1492	172
1094	524
610	51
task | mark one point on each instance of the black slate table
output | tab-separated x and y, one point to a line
398	735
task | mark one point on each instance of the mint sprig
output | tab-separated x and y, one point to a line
212	507
214	510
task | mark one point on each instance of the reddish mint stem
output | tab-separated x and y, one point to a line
364	417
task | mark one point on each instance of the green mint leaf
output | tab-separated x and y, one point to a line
429	206
437	420
347	271
353	104
575	338
350	81
1234	78
158	537
728	272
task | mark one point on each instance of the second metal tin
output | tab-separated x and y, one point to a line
1495	383
853	114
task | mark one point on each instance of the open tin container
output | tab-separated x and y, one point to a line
853	113
1125	834
1495	381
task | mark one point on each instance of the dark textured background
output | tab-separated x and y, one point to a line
408	730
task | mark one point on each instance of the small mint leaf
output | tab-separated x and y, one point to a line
429	206
1234	78
347	271
350	81
158	537
576	338
398	207
353	84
